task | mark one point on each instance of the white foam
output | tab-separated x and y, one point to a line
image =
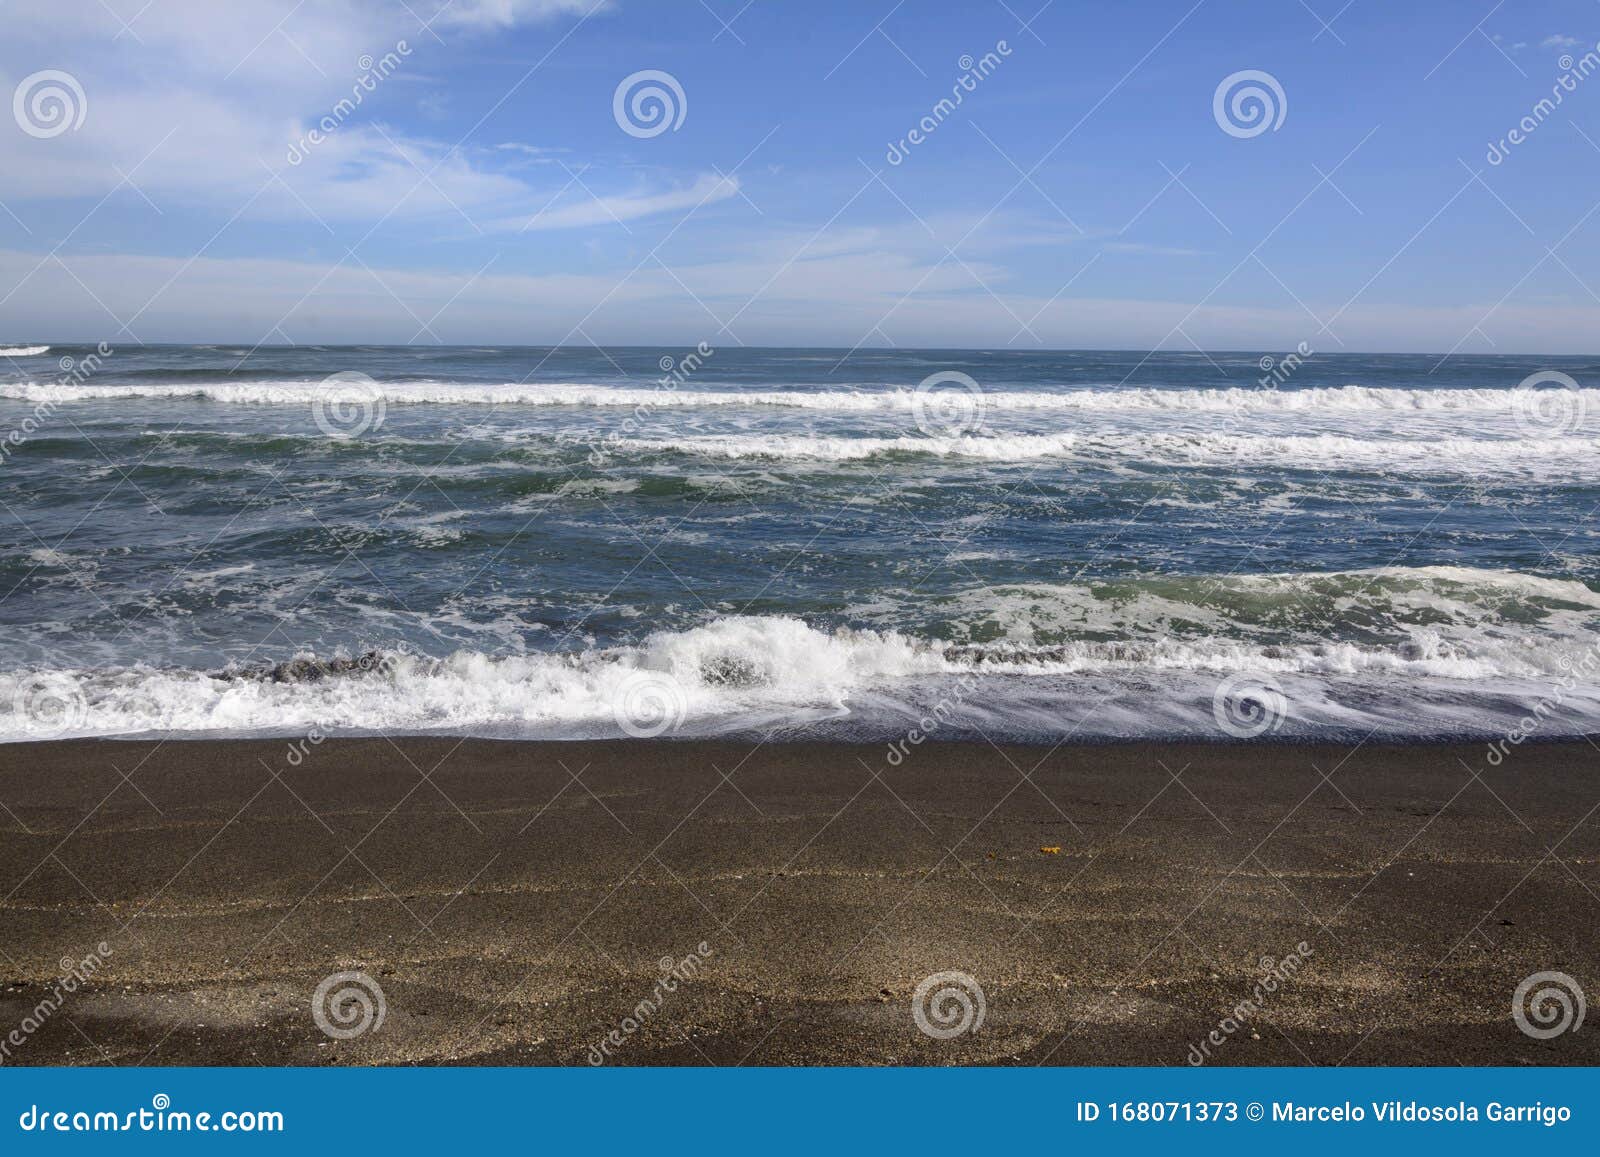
1311	451
1345	399
1452	635
1453	622
23	351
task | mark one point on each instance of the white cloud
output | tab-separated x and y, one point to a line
1560	41
506	13
831	298
527	150
197	104
707	190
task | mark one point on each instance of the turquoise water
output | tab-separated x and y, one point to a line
645	541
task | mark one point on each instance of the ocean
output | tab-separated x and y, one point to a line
870	544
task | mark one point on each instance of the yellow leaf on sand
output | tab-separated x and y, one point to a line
1051	851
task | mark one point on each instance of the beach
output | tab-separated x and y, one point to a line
522	903
553	546
380	705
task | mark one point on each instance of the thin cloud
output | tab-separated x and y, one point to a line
491	14
708	189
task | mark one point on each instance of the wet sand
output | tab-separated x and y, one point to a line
515	903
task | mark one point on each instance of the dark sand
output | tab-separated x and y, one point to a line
513	900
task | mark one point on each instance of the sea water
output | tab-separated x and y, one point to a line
816	543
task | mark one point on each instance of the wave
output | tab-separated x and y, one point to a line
1475	611
1470	651
23	351
1342	399
1310	451
1557	459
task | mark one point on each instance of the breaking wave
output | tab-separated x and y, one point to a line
1309	451
1423	651
1351	399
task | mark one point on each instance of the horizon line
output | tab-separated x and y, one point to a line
850	351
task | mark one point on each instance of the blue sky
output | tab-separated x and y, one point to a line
1083	194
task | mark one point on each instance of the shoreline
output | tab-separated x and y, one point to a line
516	901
